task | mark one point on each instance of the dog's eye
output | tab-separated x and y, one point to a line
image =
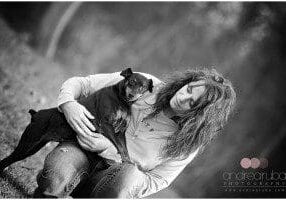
132	82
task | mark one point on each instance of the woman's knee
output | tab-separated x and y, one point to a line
63	169
119	181
59	184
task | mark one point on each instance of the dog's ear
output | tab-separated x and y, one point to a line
150	85
126	73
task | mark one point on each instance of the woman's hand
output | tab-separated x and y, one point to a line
78	118
95	142
99	143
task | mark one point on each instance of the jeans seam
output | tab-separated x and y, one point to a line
106	182
71	185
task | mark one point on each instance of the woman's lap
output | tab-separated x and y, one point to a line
118	181
64	168
68	165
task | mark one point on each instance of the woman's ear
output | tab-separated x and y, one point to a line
150	85
126	73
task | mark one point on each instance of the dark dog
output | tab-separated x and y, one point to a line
110	106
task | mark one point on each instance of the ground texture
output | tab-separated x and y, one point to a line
25	81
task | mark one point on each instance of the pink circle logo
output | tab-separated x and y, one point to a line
245	163
254	163
263	163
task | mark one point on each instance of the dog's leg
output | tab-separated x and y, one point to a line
31	141
47	125
117	140
16	156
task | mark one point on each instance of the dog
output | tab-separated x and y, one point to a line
110	106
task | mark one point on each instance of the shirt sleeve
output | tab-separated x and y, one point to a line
162	176
76	87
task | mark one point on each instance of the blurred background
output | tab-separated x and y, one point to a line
44	43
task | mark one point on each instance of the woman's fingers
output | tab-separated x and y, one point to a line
77	116
78	129
92	144
101	145
87	123
84	128
84	121
87	113
83	143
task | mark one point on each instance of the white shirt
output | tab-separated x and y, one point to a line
144	138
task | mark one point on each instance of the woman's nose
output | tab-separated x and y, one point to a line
185	97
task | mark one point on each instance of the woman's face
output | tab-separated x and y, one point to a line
187	96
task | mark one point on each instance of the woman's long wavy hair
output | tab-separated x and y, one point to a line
199	125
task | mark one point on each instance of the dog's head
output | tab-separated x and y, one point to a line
135	84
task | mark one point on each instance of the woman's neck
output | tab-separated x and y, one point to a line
169	112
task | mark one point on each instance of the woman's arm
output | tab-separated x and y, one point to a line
77	115
77	87
160	177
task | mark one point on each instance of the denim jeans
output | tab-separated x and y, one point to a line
71	171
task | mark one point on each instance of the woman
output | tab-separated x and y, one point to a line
168	128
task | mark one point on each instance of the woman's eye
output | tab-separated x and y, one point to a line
189	89
132	82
